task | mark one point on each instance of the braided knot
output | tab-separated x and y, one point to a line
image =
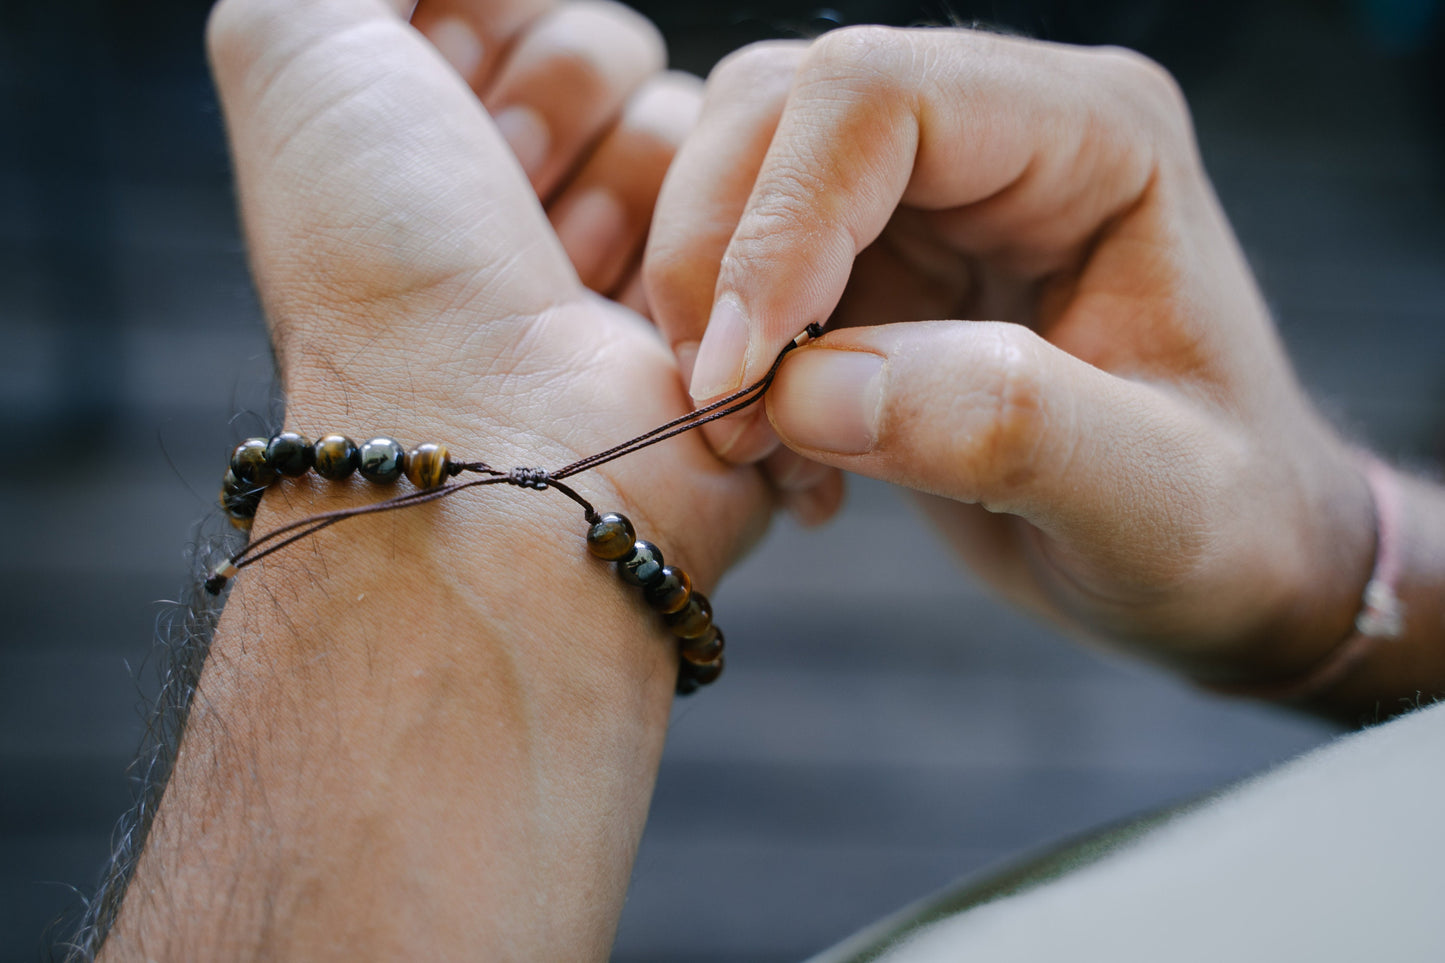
534	478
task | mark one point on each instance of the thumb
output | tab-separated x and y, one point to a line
992	414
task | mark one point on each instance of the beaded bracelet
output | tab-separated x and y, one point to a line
667	589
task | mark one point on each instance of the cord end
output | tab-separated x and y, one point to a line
222	574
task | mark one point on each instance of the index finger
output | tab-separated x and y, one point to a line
1035	146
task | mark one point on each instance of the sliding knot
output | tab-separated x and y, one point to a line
534	478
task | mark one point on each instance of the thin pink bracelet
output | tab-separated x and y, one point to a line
1382	614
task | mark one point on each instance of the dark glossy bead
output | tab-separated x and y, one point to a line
693	619
240	499
705	648
686	684
641	566
381	460
335	457
426	465
611	537
670	592
250	464
290	454
705	674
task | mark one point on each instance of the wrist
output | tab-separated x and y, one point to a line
1386	658
1310	555
453	700
1404	667
570	393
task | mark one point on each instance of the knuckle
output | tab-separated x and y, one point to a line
848	47
862	56
589	43
764	62
793	201
665	107
228	29
1012	411
641	32
1149	88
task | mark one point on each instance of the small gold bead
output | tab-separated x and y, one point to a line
426	465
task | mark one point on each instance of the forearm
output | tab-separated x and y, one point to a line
426	734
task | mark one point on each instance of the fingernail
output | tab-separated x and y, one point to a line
591	227
526	133
458	44
686	352
829	400
719	367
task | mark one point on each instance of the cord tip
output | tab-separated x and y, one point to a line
220	576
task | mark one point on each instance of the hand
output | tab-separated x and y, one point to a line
434	733
576	91
408	277
1115	437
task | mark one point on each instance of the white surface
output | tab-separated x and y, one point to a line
1335	856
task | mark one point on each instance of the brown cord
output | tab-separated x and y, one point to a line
537	479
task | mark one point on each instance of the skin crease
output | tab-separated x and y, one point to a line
434	734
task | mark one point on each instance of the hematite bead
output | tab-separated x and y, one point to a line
250	464
705	648
705	674
670	592
290	453
381	460
611	537
641	566
335	457
693	619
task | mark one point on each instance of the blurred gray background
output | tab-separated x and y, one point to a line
884	727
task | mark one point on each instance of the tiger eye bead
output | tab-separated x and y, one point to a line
611	537
381	460
705	648
643	565
290	454
240	499
426	465
670	592
706	674
250	464
693	619
335	457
